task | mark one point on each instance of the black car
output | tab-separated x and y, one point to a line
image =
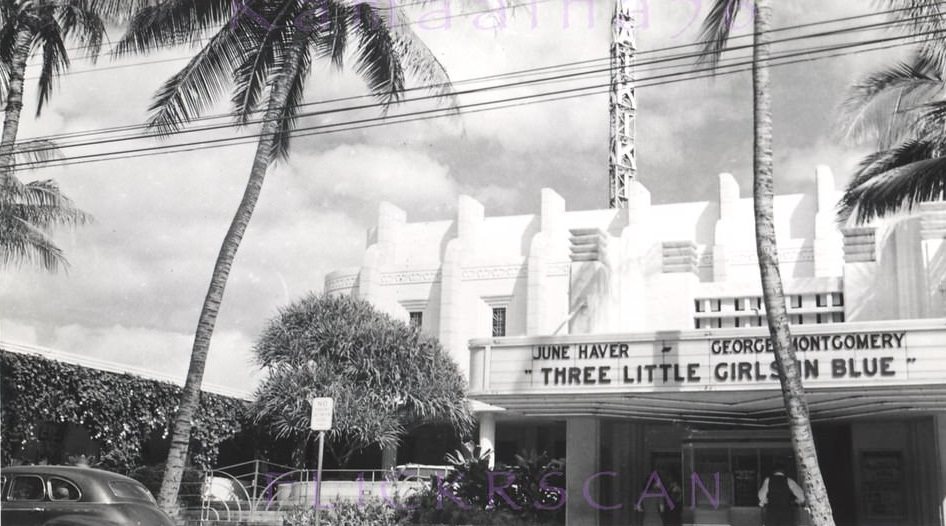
75	496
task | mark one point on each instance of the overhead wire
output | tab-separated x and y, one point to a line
640	66
444	112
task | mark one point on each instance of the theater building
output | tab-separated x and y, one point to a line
630	341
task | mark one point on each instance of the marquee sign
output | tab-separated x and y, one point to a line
702	363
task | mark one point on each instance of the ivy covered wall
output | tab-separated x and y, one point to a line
47	404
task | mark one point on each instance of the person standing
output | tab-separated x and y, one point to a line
778	497
673	516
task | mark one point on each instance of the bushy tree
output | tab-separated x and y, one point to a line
385	376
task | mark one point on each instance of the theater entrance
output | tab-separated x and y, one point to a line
738	464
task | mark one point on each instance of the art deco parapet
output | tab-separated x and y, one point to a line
933	220
588	244
679	256
591	286
860	245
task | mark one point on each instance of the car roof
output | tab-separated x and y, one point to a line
74	472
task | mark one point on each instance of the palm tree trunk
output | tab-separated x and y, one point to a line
190	396
793	392
11	117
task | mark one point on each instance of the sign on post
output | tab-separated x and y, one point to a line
322	409
321	421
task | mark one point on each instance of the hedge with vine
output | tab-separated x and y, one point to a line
120	411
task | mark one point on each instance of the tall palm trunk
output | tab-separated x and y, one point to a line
190	397
793	392
11	117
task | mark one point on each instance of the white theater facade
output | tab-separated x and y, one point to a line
632	341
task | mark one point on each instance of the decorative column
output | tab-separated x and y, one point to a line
591	292
455	306
382	250
725	227
582	457
670	294
860	275
933	250
828	251
636	242
939	430
544	310
488	436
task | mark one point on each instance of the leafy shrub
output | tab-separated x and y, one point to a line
369	512
119	411
536	480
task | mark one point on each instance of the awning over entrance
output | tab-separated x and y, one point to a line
724	377
740	408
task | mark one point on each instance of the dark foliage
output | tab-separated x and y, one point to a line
120	411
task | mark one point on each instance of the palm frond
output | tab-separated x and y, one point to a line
930	121
287	117
20	242
922	18
376	58
716	29
4	81
422	65
262	46
27	213
895	179
55	60
332	42
176	22
196	87
36	150
875	105
81	20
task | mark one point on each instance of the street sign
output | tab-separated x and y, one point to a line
322	409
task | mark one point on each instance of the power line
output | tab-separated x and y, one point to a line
660	60
439	112
505	7
706	69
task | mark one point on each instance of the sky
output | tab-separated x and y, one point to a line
139	272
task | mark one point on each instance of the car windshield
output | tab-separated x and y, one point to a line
130	491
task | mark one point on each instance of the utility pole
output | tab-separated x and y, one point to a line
622	158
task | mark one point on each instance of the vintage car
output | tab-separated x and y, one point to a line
75	496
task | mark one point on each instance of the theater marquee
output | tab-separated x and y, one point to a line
698	362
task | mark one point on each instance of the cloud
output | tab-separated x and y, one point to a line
368	174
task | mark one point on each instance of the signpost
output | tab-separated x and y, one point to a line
321	421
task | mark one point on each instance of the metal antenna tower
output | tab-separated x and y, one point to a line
622	159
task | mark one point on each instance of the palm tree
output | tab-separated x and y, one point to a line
716	29
901	111
264	49
27	214
28	28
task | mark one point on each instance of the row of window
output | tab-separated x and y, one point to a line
795	301
836	299
498	322
33	488
759	321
